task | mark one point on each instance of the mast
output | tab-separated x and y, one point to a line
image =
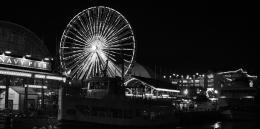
104	71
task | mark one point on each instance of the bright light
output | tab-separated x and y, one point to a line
94	47
185	92
12	73
197	74
249	97
217	125
55	78
161	89
36	86
2	87
174	82
39	76
216	91
46	58
28	55
222	97
8	52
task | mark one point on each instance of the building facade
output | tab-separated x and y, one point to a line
27	78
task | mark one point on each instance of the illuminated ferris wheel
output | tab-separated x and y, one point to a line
95	39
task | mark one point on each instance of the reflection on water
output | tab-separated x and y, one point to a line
207	125
223	125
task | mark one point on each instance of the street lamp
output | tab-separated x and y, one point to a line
185	92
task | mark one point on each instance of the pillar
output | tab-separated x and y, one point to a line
7	84
26	83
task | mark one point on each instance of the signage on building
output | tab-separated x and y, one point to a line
23	62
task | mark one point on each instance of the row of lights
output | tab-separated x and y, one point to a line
40	76
26	56
187	77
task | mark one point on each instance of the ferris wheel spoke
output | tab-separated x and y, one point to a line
76	35
75	56
122	49
118	53
79	32
105	26
127	61
80	65
112	30
119	36
85	30
112	34
90	23
75	44
108	54
108	26
117	42
74	39
86	18
73	52
112	58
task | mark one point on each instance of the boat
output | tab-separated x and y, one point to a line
240	101
103	101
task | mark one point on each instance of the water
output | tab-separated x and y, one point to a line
193	125
209	125
223	125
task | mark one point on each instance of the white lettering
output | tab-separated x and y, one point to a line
30	63
16	61
9	61
44	65
22	61
2	59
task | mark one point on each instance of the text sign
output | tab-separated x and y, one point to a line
23	62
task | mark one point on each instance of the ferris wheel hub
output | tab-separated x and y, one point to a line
94	48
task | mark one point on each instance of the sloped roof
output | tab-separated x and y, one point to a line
141	71
157	83
21	41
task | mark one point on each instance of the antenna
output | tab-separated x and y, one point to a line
104	71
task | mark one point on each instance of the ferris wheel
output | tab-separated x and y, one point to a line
95	39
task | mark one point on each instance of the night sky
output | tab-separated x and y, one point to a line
183	37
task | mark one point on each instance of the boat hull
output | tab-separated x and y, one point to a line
113	112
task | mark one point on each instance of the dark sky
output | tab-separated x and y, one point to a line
183	37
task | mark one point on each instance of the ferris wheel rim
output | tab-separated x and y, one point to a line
61	51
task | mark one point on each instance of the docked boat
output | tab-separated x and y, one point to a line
102	100
240	101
